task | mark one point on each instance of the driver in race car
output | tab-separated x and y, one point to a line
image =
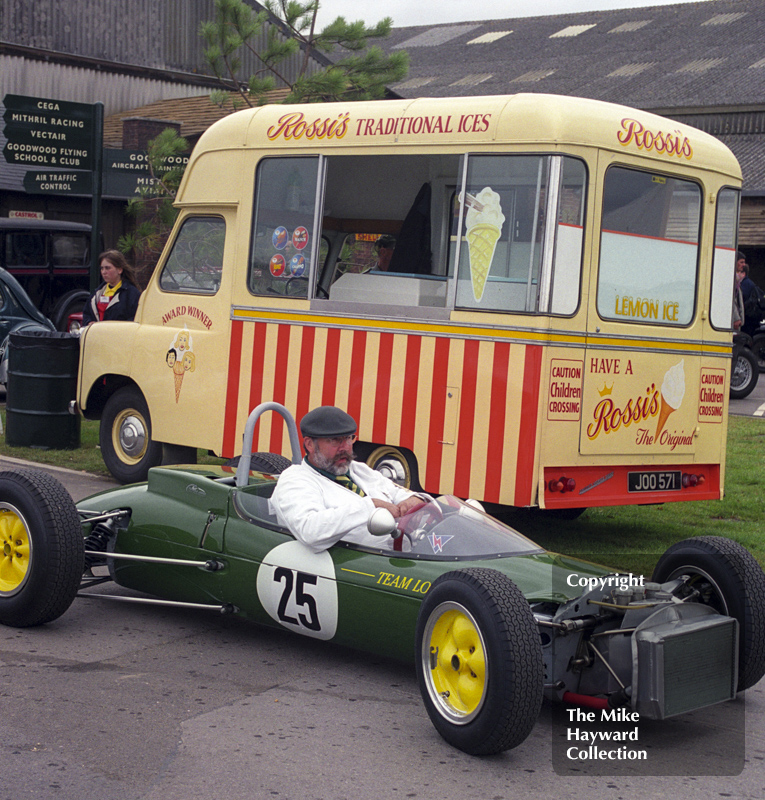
329	496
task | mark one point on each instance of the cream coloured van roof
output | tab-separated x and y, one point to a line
468	123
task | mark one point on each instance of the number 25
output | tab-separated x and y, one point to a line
302	598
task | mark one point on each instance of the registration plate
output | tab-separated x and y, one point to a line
654	481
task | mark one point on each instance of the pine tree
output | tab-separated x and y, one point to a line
287	28
153	210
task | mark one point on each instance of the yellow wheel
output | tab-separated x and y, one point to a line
479	661
16	547
392	463
457	676
43	550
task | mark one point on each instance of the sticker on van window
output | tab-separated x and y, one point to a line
280	237
297	266
300	238
277	265
483	222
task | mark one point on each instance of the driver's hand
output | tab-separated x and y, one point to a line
411	502
392	507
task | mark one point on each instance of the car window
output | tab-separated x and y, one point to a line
70	250
195	263
25	250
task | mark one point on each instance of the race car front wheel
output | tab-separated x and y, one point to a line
125	436
729	579
479	661
42	558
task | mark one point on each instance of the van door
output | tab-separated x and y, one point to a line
641	376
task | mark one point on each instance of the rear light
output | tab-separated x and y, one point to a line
563	484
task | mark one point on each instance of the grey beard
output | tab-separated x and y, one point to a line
322	462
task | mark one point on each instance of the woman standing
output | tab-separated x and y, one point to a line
117	297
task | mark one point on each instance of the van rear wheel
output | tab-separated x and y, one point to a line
125	437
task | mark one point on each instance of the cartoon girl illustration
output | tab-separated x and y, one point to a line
180	358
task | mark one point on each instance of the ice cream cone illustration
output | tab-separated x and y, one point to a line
482	239
483	222
665	410
178	373
672	393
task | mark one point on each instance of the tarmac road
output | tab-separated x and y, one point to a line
754	404
116	701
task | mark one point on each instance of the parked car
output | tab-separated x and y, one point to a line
51	260
17	313
492	622
74	323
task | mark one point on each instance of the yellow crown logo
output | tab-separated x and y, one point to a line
606	390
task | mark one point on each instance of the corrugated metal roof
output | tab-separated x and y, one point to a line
670	58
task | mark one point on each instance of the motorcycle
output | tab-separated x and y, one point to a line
758	348
745	370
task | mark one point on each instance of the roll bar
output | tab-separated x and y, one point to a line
243	470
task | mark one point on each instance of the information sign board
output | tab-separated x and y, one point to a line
48	133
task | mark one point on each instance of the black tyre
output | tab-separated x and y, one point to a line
270	463
125	437
731	581
74	304
479	661
42	549
744	374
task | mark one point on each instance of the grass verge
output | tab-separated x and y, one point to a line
86	458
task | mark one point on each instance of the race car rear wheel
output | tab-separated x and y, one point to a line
42	557
730	580
479	661
125	437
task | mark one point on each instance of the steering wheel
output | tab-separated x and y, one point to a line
431	511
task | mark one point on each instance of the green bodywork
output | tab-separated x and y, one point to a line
192	513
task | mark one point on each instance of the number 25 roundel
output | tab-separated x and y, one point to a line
297	588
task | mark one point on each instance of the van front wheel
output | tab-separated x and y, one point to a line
125	437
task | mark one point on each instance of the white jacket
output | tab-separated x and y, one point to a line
320	512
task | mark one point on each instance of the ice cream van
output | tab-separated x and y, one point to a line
550	325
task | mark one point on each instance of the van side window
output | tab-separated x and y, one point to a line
649	247
195	262
283	226
386	219
519	223
724	260
391	223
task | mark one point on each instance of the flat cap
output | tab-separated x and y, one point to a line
327	421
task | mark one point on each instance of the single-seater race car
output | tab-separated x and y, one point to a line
492	621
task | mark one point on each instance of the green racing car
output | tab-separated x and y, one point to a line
493	622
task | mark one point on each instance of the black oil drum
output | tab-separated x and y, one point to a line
42	380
